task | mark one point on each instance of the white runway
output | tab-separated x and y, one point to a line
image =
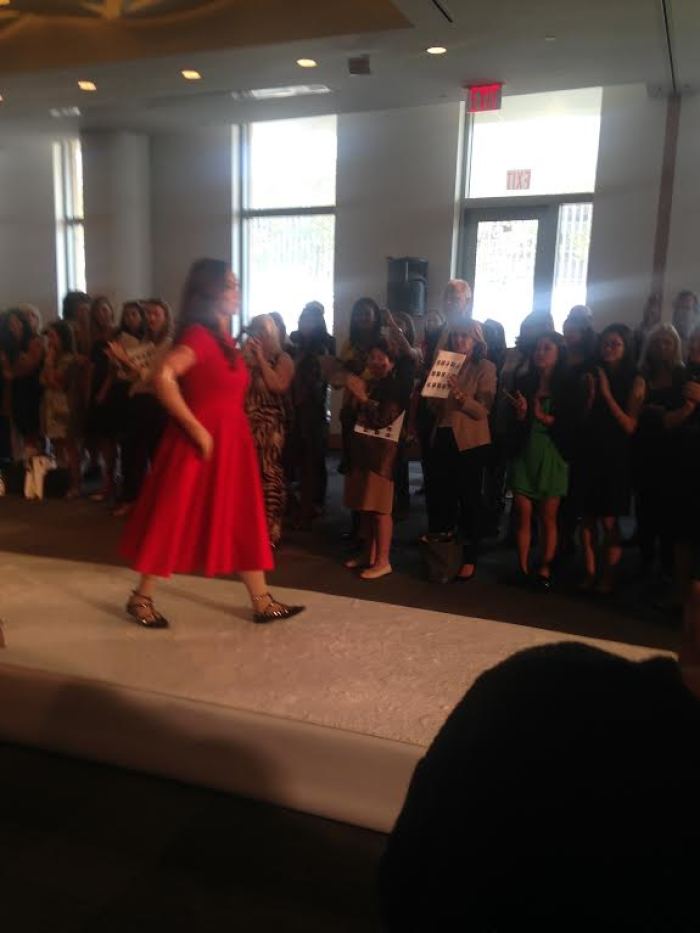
327	712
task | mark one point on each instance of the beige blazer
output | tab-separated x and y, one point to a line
470	419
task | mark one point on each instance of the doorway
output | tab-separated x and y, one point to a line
526	257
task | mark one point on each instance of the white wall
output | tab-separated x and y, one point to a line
683	269
116	176
625	203
395	197
191	203
152	207
27	223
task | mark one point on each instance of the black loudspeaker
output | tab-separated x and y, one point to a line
407	284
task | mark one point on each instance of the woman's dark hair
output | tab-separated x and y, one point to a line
622	376
71	303
315	311
385	347
95	329
406	326
205	282
142	317
65	335
537	324
558	378
281	327
356	336
495	337
167	311
26	337
581	317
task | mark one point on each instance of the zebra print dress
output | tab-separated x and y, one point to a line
267	416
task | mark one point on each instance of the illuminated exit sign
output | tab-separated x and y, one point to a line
518	179
483	97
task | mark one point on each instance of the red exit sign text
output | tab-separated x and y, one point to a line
518	179
483	97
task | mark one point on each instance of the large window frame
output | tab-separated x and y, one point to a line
243	213
70	215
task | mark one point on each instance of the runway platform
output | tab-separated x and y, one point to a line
327	713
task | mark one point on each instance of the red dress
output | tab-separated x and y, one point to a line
196	515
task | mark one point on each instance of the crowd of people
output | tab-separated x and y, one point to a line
577	429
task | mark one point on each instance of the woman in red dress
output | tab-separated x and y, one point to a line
201	508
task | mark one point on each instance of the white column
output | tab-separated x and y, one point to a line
191	184
116	172
626	203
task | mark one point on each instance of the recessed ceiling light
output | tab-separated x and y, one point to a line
550	38
436	50
189	74
306	62
5	2
87	85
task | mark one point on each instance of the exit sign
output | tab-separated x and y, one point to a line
483	97
518	179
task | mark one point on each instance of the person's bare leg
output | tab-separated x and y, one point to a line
382	534
368	541
255	582
147	584
612	553
548	519
589	535
523	529
261	600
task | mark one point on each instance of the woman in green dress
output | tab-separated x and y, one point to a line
539	473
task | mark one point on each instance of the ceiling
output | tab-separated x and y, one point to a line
134	51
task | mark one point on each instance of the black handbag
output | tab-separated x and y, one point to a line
442	555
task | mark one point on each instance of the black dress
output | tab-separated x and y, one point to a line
605	457
654	473
104	419
26	403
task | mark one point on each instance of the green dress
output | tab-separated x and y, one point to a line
539	471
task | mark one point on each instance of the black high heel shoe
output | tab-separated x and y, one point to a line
140	608
274	611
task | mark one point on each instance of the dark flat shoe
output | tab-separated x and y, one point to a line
141	610
274	611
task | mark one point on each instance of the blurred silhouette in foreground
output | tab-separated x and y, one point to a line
561	794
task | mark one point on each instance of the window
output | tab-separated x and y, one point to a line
571	263
536	144
70	221
288	216
528	211
527	258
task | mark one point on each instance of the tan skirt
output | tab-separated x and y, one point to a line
366	491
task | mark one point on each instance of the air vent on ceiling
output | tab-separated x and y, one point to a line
359	65
279	93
